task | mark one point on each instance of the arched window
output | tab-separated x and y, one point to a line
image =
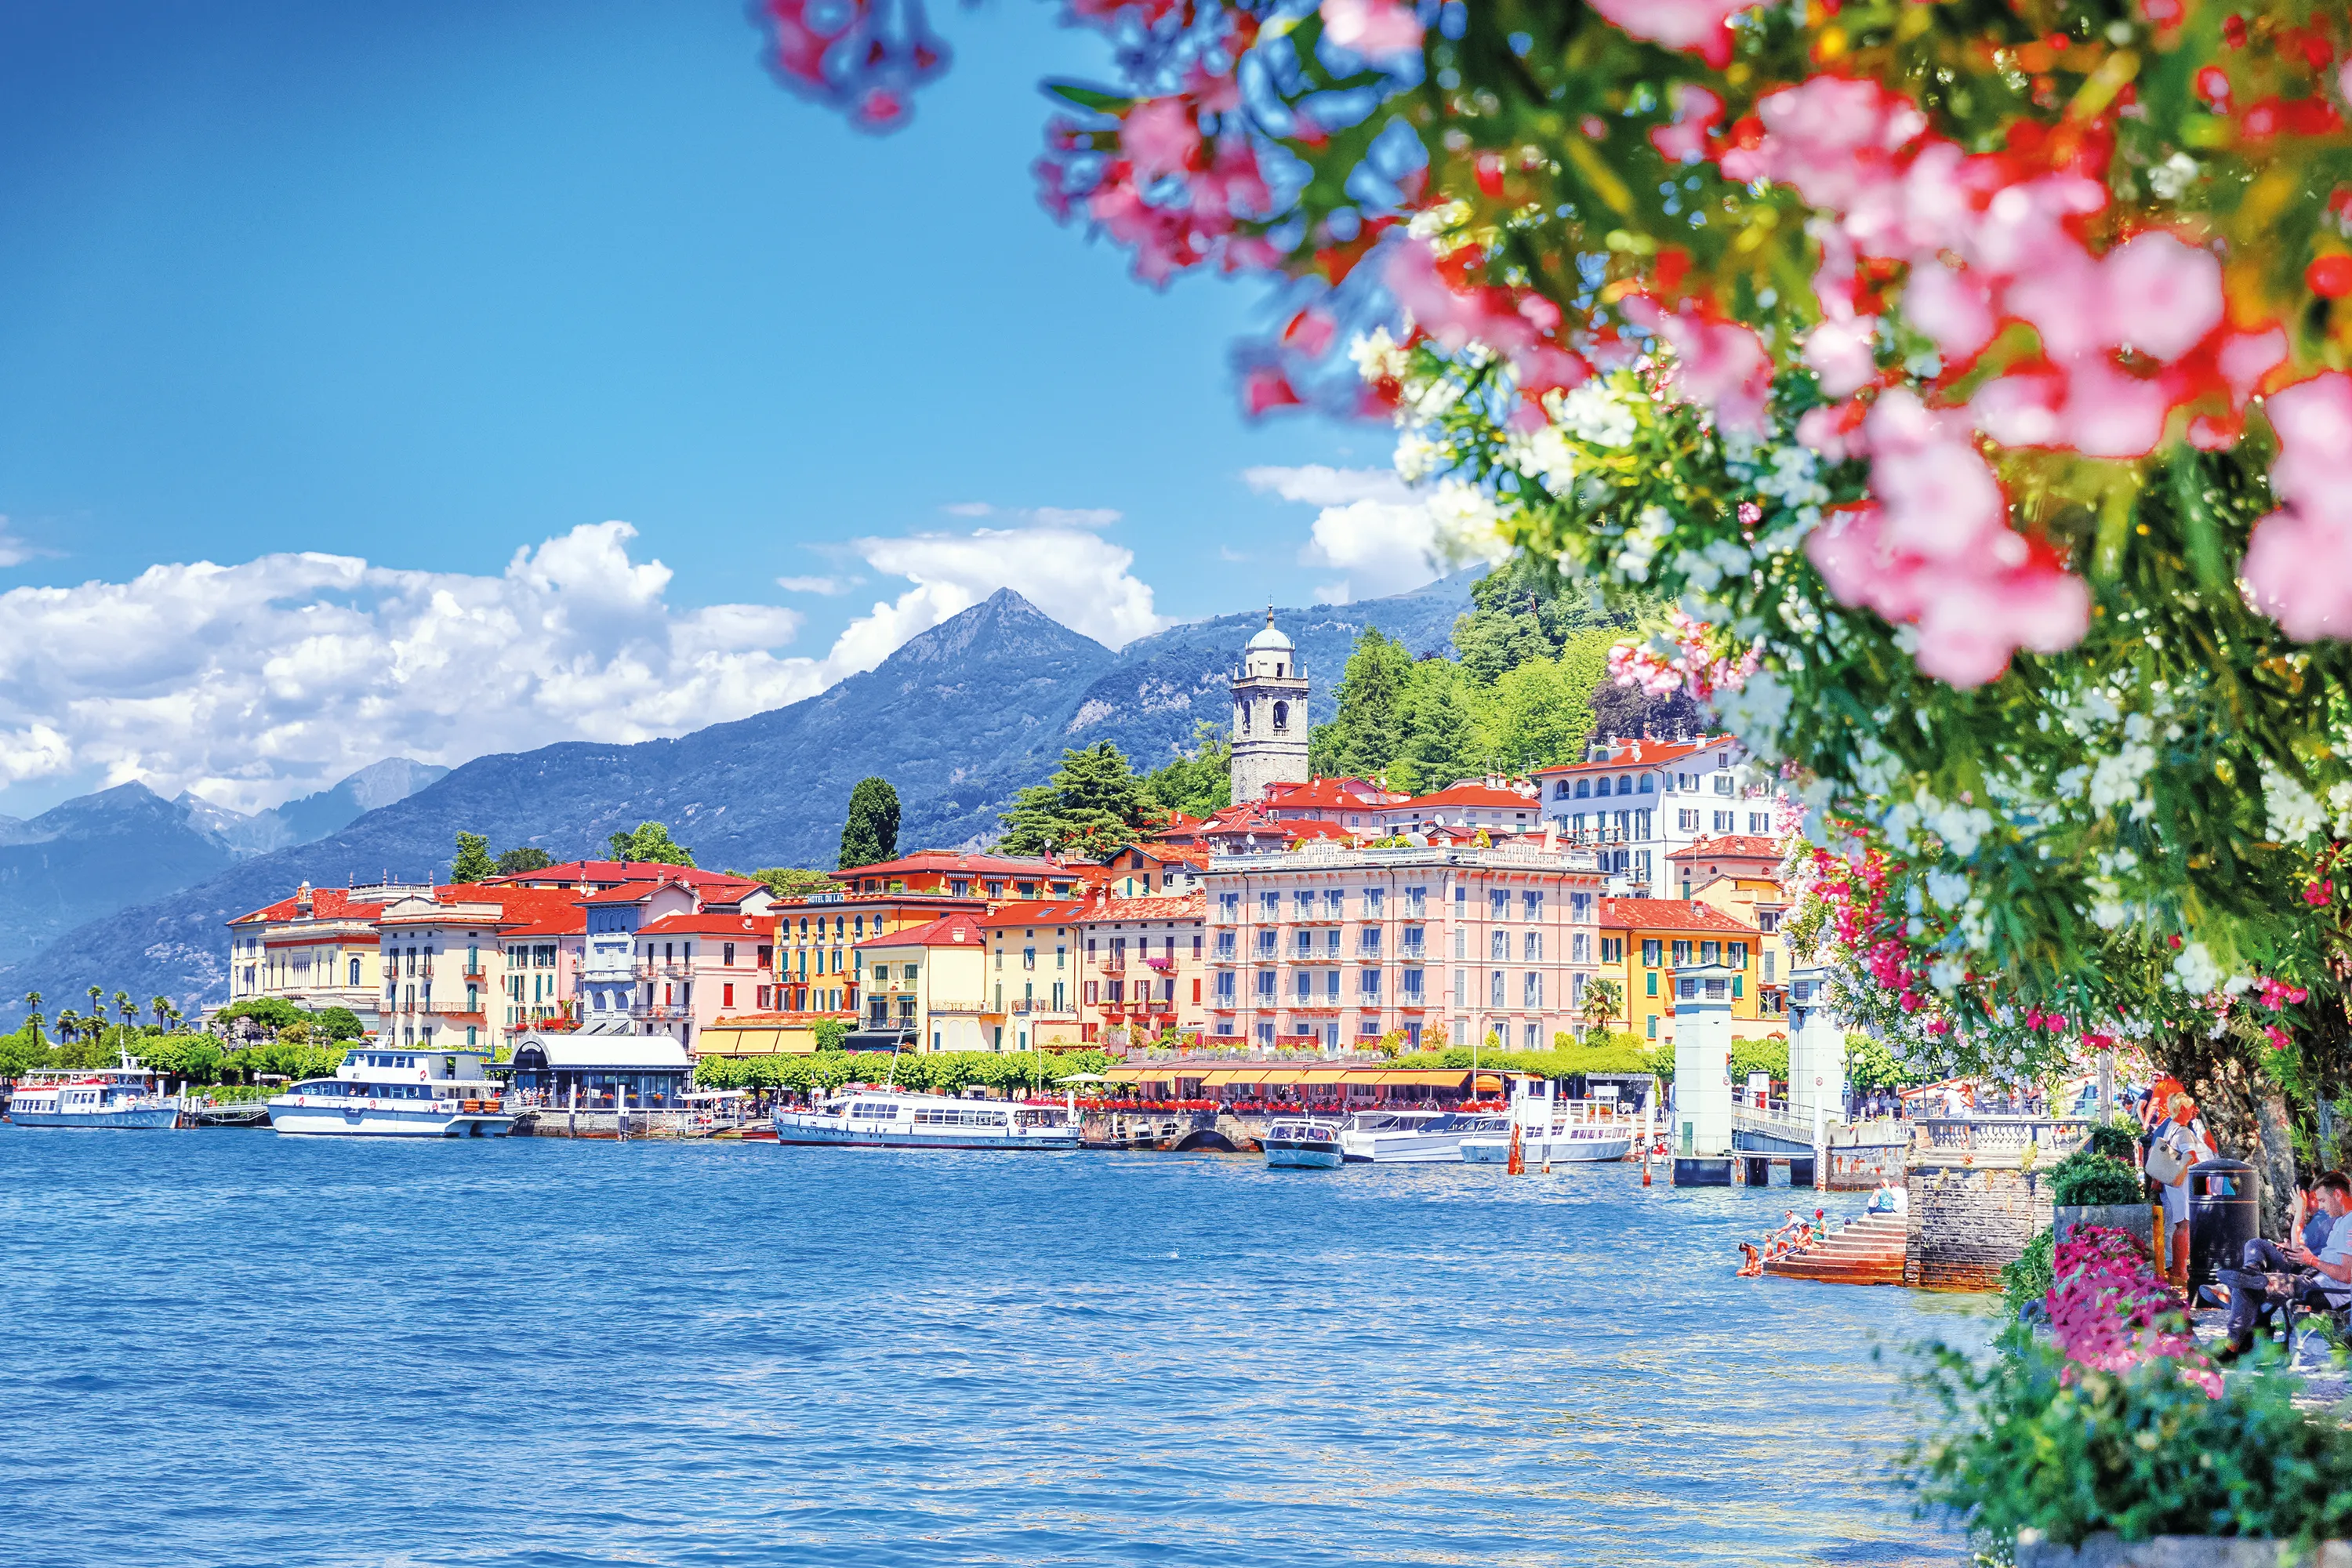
1282	715
1245	712
355	971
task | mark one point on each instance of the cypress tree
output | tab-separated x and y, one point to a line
870	835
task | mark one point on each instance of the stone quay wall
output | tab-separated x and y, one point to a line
1967	1222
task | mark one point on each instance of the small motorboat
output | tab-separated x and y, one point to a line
1553	1130
1302	1145
1413	1137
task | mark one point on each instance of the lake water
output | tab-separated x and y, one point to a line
234	1348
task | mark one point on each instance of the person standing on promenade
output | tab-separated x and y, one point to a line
2183	1134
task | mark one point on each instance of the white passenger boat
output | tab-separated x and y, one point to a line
389	1093
125	1097
1307	1144
1411	1137
894	1119
1553	1130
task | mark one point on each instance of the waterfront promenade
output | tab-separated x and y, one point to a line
229	1349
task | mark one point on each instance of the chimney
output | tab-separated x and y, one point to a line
302	901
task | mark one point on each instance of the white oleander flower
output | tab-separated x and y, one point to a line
1418	457
1545	456
1377	356
1594	414
2194	970
2295	813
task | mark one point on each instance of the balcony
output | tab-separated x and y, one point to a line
473	976
660	1011
1164	965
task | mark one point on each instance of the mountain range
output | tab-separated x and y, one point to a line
90	857
958	720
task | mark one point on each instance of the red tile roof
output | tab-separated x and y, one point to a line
1191	906
1667	914
570	873
951	861
710	922
538	912
1635	754
626	893
1472	795
949	930
1035	912
1729	847
326	904
1346	794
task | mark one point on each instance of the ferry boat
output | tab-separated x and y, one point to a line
1413	1137
1302	1145
1554	1130
388	1092
120	1097
893	1119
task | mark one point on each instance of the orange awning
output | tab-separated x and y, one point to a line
1427	1077
1324	1075
1216	1080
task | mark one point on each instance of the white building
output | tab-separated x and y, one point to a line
1635	803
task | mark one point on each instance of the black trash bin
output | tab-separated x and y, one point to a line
2222	1218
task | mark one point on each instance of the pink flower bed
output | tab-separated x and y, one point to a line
2109	1310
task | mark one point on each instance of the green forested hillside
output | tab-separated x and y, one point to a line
1529	687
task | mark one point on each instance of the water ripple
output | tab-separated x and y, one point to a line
227	1348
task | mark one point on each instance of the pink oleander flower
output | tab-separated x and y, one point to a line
1718	362
1701	27
1159	136
2298	565
1696	112
1372	27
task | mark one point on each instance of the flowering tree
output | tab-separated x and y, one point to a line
1969	373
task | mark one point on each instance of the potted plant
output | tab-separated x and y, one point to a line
2098	1184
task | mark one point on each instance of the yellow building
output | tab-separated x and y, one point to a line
317	949
1743	890
1645	940
926	982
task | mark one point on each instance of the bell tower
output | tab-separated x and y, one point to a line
1269	716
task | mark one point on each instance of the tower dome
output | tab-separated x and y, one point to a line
1270	637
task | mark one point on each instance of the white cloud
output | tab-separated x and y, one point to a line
1385	536
827	586
257	682
14	549
1074	574
1046	516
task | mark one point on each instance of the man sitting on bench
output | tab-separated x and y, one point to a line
2324	1279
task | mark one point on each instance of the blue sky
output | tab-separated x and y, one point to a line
431	284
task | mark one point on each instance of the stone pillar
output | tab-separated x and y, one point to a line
1816	1049
1702	1123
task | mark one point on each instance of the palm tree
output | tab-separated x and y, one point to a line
33	1014
98	1009
122	1008
1601	1000
161	1007
68	1025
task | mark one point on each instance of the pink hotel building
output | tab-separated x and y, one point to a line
1327	944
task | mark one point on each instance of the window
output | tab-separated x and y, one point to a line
1225	947
1768	956
1654	1022
1583	788
1461	942
1649	784
1368	941
910	973
727	996
1759	823
1266	941
1498	944
1768	921
727	954
1331	986
1723	782
1368	984
1282	715
1303	943
1462	899
1094	992
1266	985
1532	948
1416	903
1303	987
1687	821
1682	953
1375	903
1225	988
1531	988
1531	906
1061	958
1334	903
1580	949
1710	952
1498	904
1229	908
1736	954
1495	989
1559	789
1269	906
1305	901
1413	987
1653	982
767	955
1461	994
1723	821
